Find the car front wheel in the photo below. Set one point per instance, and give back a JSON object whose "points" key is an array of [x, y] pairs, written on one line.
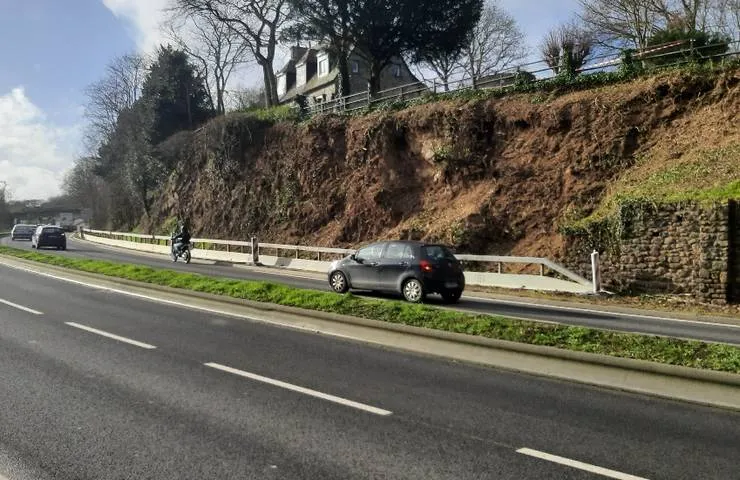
{"points": [[338, 282], [413, 291]]}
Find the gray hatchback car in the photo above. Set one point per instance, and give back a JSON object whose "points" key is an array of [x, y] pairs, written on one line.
{"points": [[413, 269]]}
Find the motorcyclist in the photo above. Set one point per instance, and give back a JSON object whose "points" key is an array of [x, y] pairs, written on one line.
{"points": [[181, 238]]}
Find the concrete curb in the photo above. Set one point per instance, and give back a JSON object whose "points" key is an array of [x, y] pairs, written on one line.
{"points": [[705, 387]]}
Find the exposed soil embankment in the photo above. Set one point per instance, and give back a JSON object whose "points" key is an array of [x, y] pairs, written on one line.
{"points": [[487, 176]]}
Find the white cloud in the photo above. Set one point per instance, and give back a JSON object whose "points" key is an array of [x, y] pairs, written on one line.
{"points": [[145, 17], [34, 152]]}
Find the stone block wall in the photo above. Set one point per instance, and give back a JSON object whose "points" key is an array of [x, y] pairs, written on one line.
{"points": [[686, 248]]}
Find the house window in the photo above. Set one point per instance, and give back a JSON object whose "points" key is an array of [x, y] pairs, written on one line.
{"points": [[355, 66], [323, 67], [397, 71], [282, 86], [301, 74]]}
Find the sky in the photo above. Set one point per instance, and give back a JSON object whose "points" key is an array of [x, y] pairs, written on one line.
{"points": [[50, 50]]}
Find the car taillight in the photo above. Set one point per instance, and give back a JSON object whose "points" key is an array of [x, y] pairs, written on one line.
{"points": [[426, 266]]}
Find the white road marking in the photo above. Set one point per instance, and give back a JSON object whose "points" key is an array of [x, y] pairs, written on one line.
{"points": [[579, 465], [110, 335], [600, 312], [303, 390], [189, 306], [20, 307]]}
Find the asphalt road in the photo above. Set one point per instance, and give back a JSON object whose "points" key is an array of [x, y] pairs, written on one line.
{"points": [[99, 385], [655, 325]]}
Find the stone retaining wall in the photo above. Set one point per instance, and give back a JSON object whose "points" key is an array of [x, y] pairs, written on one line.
{"points": [[687, 248]]}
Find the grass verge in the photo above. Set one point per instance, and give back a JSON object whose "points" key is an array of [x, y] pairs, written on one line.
{"points": [[657, 349]]}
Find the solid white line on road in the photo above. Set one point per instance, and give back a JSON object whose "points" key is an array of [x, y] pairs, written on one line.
{"points": [[601, 312], [579, 465], [305, 391], [20, 307], [110, 335], [181, 304]]}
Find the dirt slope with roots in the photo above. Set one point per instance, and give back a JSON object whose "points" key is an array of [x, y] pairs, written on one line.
{"points": [[487, 176]]}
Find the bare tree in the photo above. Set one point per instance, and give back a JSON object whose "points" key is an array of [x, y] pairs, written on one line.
{"points": [[620, 23], [690, 15], [445, 66], [108, 97], [256, 22], [566, 48], [83, 185], [496, 44], [215, 48], [725, 17], [248, 98]]}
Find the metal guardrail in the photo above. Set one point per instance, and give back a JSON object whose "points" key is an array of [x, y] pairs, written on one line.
{"points": [[539, 69], [203, 243]]}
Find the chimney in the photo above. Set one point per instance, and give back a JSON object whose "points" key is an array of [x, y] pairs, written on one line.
{"points": [[296, 53]]}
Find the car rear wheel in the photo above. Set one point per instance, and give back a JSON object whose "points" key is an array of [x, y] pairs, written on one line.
{"points": [[338, 282], [451, 297], [413, 291]]}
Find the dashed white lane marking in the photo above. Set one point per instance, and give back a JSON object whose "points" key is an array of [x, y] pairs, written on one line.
{"points": [[303, 390], [579, 465], [19, 307], [110, 335]]}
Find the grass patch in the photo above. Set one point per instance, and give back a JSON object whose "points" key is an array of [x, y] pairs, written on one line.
{"points": [[657, 349], [280, 113], [704, 176]]}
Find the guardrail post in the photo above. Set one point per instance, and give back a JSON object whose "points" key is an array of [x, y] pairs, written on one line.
{"points": [[595, 271], [542, 270], [255, 251], [499, 267]]}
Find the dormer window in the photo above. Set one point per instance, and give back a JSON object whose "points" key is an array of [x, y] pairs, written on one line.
{"points": [[397, 71], [282, 85], [355, 66], [323, 66], [301, 74]]}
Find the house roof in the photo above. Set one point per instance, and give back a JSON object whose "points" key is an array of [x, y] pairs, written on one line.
{"points": [[314, 83], [288, 67], [310, 53]]}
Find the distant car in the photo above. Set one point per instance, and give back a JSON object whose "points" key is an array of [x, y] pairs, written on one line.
{"points": [[22, 232], [413, 269], [49, 236]]}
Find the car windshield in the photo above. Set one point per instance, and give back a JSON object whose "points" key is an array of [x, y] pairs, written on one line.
{"points": [[437, 252]]}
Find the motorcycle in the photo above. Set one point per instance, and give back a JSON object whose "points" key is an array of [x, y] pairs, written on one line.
{"points": [[182, 252]]}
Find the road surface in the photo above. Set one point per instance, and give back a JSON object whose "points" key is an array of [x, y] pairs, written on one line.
{"points": [[99, 385], [678, 328]]}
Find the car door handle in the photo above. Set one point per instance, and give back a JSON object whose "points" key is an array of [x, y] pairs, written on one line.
{"points": [[373, 264], [404, 264]]}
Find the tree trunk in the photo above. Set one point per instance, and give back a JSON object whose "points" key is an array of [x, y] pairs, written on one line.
{"points": [[374, 84], [343, 65], [268, 75]]}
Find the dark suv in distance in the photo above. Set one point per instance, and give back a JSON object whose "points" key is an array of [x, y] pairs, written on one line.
{"points": [[22, 232], [49, 236], [413, 269]]}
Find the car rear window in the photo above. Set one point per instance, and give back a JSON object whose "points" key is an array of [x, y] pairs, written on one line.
{"points": [[437, 252], [53, 230]]}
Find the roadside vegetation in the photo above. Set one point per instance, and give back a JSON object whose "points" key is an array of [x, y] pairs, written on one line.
{"points": [[686, 353]]}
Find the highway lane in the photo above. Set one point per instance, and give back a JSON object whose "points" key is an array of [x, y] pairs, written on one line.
{"points": [[78, 404], [655, 325]]}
